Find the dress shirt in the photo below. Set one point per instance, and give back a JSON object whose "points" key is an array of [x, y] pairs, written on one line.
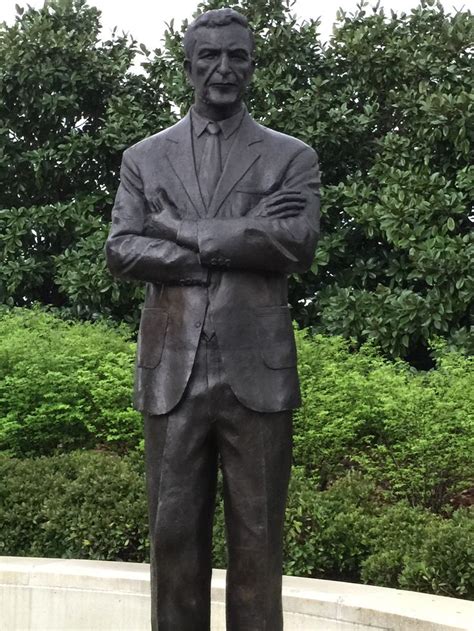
{"points": [[228, 127], [188, 230]]}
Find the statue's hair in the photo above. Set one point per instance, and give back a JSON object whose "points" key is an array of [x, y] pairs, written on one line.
{"points": [[213, 19]]}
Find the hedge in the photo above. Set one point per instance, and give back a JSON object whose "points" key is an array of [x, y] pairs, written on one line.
{"points": [[84, 505], [64, 385], [91, 505], [383, 457], [410, 432]]}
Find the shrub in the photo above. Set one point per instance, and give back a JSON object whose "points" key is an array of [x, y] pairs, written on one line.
{"points": [[326, 531], [413, 549], [444, 564], [381, 453], [412, 433], [67, 385], [91, 505], [64, 385], [348, 533], [81, 505]]}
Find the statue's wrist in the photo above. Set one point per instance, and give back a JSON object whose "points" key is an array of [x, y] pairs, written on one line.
{"points": [[187, 234]]}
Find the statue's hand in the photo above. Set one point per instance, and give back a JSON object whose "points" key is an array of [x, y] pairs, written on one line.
{"points": [[281, 205], [164, 220]]}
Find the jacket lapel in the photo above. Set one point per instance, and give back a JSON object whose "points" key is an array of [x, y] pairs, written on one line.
{"points": [[242, 155], [181, 158]]}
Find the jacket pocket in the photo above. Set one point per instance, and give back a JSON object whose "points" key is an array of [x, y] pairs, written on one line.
{"points": [[151, 337], [276, 338]]}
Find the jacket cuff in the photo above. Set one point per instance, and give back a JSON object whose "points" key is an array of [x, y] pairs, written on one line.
{"points": [[188, 235], [210, 253]]}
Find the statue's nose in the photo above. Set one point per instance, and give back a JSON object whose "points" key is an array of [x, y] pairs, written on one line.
{"points": [[224, 65]]}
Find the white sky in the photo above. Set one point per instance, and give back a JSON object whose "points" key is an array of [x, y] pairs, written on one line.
{"points": [[145, 19]]}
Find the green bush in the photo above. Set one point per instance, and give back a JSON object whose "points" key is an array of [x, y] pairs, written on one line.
{"points": [[326, 531], [395, 536], [349, 533], [411, 433], [91, 505], [64, 385], [382, 453], [414, 549], [67, 385], [84, 505], [444, 564]]}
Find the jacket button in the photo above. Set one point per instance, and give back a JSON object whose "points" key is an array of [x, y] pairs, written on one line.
{"points": [[197, 324]]}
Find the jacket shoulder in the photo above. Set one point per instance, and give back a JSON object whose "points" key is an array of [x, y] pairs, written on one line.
{"points": [[284, 142], [150, 143]]}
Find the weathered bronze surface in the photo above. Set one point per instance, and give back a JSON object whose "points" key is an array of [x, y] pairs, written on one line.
{"points": [[214, 213]]}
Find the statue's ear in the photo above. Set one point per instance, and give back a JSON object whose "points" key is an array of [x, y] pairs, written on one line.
{"points": [[187, 70], [253, 67]]}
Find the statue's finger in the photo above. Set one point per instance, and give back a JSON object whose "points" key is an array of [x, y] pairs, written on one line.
{"points": [[285, 205], [283, 194], [286, 200], [162, 198], [287, 208]]}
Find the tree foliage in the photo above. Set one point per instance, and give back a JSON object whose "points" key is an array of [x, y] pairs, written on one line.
{"points": [[69, 105], [387, 102]]}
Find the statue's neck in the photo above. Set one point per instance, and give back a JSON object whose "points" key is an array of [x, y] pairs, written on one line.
{"points": [[214, 113]]}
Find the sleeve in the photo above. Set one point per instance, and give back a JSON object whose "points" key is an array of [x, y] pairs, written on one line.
{"points": [[133, 256], [261, 243]]}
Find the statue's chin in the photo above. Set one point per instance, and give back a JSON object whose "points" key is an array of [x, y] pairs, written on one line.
{"points": [[220, 97]]}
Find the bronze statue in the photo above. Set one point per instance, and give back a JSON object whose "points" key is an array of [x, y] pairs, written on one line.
{"points": [[214, 213]]}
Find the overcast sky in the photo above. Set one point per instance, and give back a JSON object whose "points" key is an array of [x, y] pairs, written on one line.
{"points": [[145, 19]]}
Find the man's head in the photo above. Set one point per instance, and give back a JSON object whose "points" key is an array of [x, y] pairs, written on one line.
{"points": [[219, 61]]}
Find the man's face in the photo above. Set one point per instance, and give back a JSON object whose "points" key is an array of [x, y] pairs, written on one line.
{"points": [[221, 66]]}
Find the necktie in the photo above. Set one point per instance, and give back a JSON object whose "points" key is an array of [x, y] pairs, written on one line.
{"points": [[210, 169]]}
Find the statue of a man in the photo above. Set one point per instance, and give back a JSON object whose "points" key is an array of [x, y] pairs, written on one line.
{"points": [[214, 213]]}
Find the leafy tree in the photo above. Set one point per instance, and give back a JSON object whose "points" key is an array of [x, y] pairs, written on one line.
{"points": [[69, 105], [404, 94], [387, 103]]}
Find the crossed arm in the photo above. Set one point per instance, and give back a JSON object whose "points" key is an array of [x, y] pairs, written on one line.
{"points": [[277, 235]]}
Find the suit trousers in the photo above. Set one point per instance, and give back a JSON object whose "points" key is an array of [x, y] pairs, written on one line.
{"points": [[183, 449]]}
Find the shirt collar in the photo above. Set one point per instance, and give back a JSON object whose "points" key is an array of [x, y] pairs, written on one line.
{"points": [[228, 126]]}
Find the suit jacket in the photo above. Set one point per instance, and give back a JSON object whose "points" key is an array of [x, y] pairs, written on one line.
{"points": [[241, 269]]}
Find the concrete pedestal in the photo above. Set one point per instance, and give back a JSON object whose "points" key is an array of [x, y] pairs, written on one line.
{"points": [[70, 595]]}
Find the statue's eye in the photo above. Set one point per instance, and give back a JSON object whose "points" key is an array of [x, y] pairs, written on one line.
{"points": [[239, 55], [208, 54]]}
